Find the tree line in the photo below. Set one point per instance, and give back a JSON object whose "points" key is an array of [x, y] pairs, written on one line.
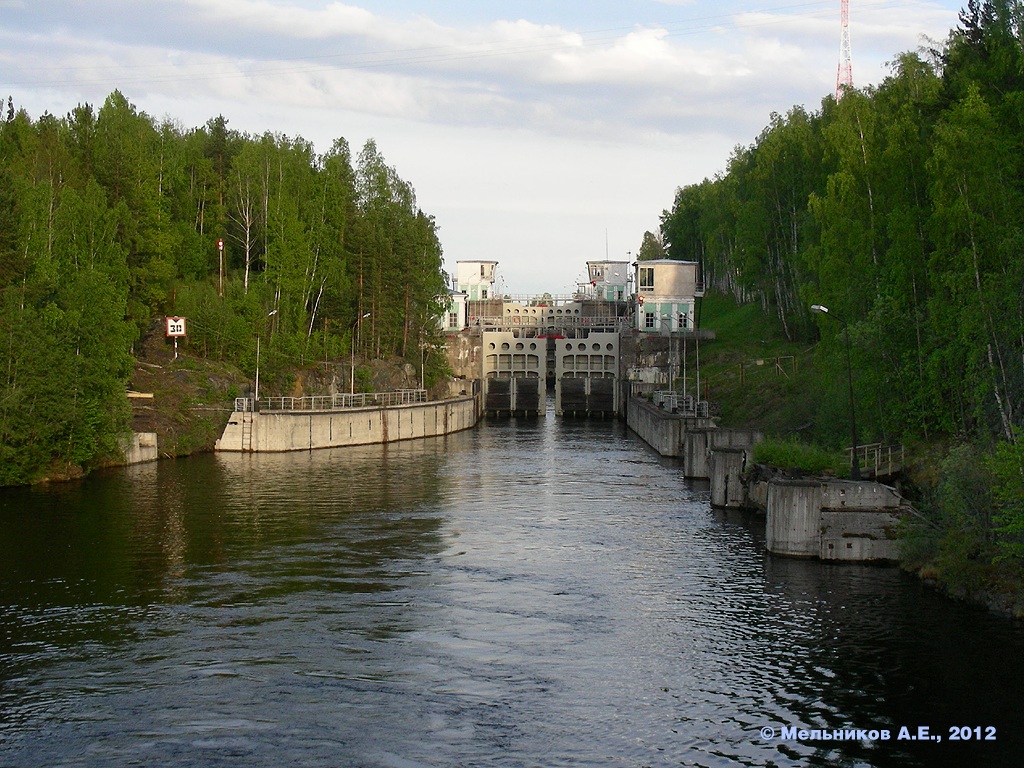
{"points": [[110, 220], [899, 207]]}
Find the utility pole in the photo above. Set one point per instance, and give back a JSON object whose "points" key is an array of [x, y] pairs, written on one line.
{"points": [[844, 75]]}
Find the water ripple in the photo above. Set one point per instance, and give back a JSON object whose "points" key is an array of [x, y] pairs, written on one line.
{"points": [[528, 594]]}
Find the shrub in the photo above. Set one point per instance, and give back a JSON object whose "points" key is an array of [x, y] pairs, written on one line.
{"points": [[803, 457]]}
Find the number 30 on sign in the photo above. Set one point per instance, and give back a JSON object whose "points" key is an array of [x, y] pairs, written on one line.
{"points": [[175, 326]]}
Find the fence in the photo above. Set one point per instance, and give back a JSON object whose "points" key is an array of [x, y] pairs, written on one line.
{"points": [[333, 402]]}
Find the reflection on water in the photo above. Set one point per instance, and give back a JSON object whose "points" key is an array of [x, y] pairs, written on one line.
{"points": [[539, 593]]}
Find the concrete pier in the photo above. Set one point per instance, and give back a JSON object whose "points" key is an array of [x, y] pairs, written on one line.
{"points": [[826, 519], [845, 520], [140, 447], [690, 438], [726, 466]]}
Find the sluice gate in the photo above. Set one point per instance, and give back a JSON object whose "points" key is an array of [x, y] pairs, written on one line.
{"points": [[587, 375], [530, 351], [515, 373]]}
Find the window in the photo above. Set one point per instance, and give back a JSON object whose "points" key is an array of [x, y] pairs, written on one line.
{"points": [[453, 319], [684, 321], [483, 293], [648, 319], [646, 278]]}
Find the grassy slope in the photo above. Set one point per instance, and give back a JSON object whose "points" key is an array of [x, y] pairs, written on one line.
{"points": [[751, 374]]}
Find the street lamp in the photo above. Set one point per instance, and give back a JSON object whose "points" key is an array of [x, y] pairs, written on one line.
{"points": [[666, 329], [352, 349], [256, 397], [855, 460]]}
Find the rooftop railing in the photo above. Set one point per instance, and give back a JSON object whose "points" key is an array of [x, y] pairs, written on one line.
{"points": [[558, 322]]}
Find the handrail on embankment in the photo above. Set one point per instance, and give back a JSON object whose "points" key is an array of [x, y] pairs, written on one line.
{"points": [[684, 405], [879, 459], [333, 402]]}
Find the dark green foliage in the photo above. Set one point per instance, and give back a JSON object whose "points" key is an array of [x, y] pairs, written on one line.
{"points": [[899, 208], [109, 221], [1007, 470], [800, 457]]}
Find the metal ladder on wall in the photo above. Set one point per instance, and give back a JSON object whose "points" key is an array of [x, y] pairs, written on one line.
{"points": [[247, 430]]}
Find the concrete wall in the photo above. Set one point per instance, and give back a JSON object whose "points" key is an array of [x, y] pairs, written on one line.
{"points": [[859, 535], [270, 431], [685, 437], [140, 447], [726, 467], [694, 452], [661, 430], [792, 527], [835, 520]]}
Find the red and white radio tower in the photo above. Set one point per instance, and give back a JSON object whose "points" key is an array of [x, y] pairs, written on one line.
{"points": [[844, 77]]}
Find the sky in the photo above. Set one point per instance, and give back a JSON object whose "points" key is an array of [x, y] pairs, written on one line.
{"points": [[538, 134]]}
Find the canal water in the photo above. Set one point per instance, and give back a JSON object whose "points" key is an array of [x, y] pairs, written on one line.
{"points": [[530, 593]]}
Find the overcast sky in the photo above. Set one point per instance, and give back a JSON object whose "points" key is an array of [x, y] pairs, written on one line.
{"points": [[540, 134]]}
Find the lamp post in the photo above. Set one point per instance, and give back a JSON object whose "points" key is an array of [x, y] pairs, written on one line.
{"points": [[855, 460], [256, 397], [352, 349], [666, 328]]}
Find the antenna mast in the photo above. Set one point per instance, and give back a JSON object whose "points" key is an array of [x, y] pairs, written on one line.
{"points": [[844, 76]]}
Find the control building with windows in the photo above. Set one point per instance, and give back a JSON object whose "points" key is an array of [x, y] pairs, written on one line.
{"points": [[455, 315], [666, 295], [476, 279], [608, 280]]}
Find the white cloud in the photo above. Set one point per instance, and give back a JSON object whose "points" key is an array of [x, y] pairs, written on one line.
{"points": [[525, 137]]}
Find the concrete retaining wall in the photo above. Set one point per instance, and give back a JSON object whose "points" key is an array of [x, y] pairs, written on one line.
{"points": [[725, 467], [665, 432], [694, 452], [698, 444], [660, 430], [685, 437], [464, 351], [859, 535], [140, 447], [792, 524], [270, 431], [835, 520]]}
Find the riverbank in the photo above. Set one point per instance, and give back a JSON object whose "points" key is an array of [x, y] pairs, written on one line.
{"points": [[188, 400], [882, 527]]}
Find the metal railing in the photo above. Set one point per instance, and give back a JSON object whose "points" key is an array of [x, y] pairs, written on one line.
{"points": [[333, 402], [533, 300], [879, 459], [556, 322], [684, 405]]}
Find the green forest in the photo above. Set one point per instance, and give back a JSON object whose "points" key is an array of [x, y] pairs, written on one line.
{"points": [[900, 208], [110, 220]]}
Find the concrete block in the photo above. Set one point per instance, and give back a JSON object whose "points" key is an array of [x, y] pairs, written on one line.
{"points": [[858, 494], [140, 447], [859, 535], [726, 468], [792, 525]]}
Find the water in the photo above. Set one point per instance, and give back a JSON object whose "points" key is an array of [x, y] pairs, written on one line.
{"points": [[543, 593]]}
